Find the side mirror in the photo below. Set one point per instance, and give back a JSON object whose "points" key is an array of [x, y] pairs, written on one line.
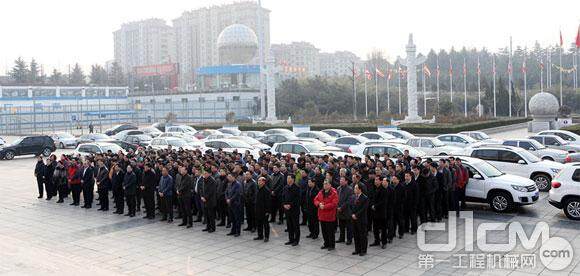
{"points": [[531, 148], [521, 162], [478, 177]]}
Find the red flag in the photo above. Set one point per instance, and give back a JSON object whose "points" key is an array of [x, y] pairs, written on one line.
{"points": [[561, 39], [426, 71], [379, 73], [524, 69], [578, 38], [438, 71], [389, 74], [509, 68], [368, 74], [355, 73], [478, 68], [464, 69], [450, 69], [542, 64]]}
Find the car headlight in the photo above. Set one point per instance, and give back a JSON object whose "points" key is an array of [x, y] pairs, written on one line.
{"points": [[555, 170], [519, 188]]}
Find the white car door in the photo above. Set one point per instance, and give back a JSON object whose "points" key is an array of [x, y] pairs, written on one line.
{"points": [[428, 147], [514, 163], [476, 186]]}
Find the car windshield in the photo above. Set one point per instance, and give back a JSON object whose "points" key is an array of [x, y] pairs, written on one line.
{"points": [[537, 144], [144, 137], [437, 143], [489, 170], [247, 139], [313, 147], [176, 143], [239, 144], [111, 147], [527, 155], [480, 136], [17, 141]]}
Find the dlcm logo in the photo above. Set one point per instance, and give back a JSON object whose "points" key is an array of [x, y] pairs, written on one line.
{"points": [[555, 253]]}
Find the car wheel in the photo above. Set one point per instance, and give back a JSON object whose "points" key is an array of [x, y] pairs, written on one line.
{"points": [[501, 202], [9, 155], [46, 152], [548, 158], [542, 181], [572, 208], [61, 145]]}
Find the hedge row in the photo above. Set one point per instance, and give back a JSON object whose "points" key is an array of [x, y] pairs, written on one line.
{"points": [[363, 127], [573, 128]]}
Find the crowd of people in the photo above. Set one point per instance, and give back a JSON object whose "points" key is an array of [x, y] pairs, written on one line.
{"points": [[383, 195]]}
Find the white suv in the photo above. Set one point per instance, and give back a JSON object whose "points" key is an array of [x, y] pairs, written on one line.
{"points": [[433, 146], [295, 148], [519, 162], [500, 190], [565, 192], [393, 150], [537, 149]]}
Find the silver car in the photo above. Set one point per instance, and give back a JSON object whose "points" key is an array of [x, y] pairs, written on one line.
{"points": [[555, 142], [538, 149], [64, 140]]}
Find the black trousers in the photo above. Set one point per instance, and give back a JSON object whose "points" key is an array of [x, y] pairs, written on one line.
{"points": [[185, 205], [104, 199], [62, 190], [138, 197], [88, 194], [276, 209], [380, 230], [237, 216], [130, 203], [49, 186], [328, 230], [250, 214], [395, 223], [149, 200], [293, 225], [119, 201], [312, 221], [40, 184], [76, 193], [360, 236], [263, 225], [460, 195], [443, 202], [410, 219], [210, 217], [345, 225], [167, 206]]}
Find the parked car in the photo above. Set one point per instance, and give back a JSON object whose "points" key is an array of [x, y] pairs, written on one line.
{"points": [[565, 192], [64, 140], [477, 135], [181, 129], [318, 135], [346, 142], [118, 128], [160, 126], [502, 191], [36, 145], [97, 148], [519, 162], [2, 142], [308, 140], [569, 136], [202, 134], [121, 135], [393, 150], [232, 131], [152, 131], [375, 135], [271, 139], [124, 145], [141, 140], [572, 157], [94, 137], [218, 136], [401, 134], [278, 131], [555, 142], [295, 148], [251, 141], [456, 140], [336, 133], [537, 149], [231, 145], [254, 134], [174, 142], [432, 146]]}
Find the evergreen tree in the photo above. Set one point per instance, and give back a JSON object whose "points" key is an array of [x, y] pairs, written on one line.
{"points": [[116, 76], [77, 77], [56, 78], [33, 73], [20, 71]]}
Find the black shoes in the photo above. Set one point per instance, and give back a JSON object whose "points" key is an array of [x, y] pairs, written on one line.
{"points": [[288, 243], [258, 238], [339, 241], [374, 244], [294, 243], [348, 243], [266, 239]]}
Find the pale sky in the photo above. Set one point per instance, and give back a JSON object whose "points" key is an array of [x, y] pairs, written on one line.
{"points": [[62, 32]]}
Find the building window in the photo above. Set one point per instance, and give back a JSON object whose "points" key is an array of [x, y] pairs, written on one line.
{"points": [[183, 100], [137, 101], [167, 100], [201, 99], [236, 98], [220, 99], [152, 101]]}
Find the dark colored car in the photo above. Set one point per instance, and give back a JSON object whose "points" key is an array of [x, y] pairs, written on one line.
{"points": [[118, 128], [138, 140], [271, 139], [94, 137], [124, 145], [36, 145]]}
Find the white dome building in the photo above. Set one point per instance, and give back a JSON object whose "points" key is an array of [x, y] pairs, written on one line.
{"points": [[544, 110], [237, 44]]}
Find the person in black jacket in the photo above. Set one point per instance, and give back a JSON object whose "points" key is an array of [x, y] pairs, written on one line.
{"points": [[379, 212], [88, 184], [209, 199], [359, 219], [103, 185], [277, 186], [395, 201], [183, 188], [39, 173], [410, 204], [311, 210], [117, 187], [250, 189], [130, 189], [291, 205], [48, 177], [148, 191], [262, 207]]}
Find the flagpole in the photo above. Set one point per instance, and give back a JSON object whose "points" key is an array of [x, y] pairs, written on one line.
{"points": [[450, 79], [366, 93], [525, 86], [354, 91], [388, 93], [541, 73], [548, 68], [399, 89], [478, 88], [437, 60], [561, 99], [494, 102], [464, 88], [376, 94], [510, 79], [424, 94]]}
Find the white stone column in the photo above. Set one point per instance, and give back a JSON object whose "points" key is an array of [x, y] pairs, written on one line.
{"points": [[271, 90]]}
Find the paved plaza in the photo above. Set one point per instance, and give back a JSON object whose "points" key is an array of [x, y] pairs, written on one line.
{"points": [[39, 237]]}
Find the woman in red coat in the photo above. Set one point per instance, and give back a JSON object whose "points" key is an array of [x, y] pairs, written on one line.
{"points": [[326, 201]]}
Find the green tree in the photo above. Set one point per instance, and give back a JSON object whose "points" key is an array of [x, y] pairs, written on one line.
{"points": [[33, 73], [116, 76], [98, 75], [77, 77], [20, 71], [56, 78]]}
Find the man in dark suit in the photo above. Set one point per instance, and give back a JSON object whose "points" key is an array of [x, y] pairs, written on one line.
{"points": [[183, 188], [359, 218], [103, 185], [262, 207], [209, 199], [311, 210], [235, 204], [148, 191], [165, 192], [410, 204], [250, 189], [130, 189], [277, 186], [377, 204], [291, 205], [88, 184], [39, 172], [343, 211]]}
